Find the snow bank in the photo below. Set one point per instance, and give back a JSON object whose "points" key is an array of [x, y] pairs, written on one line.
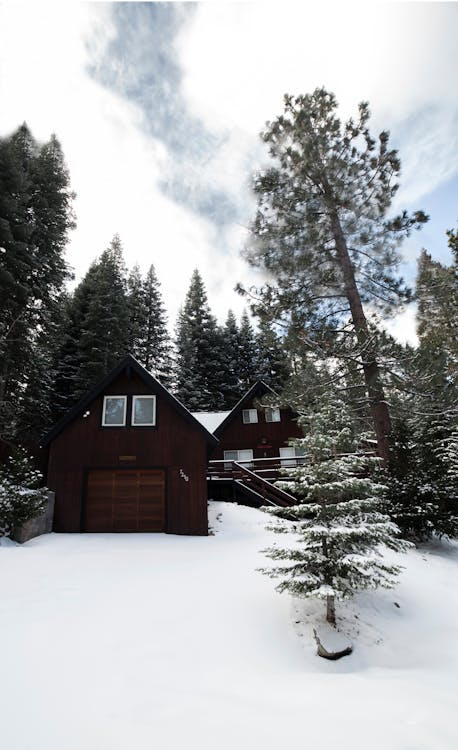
{"points": [[140, 641]]}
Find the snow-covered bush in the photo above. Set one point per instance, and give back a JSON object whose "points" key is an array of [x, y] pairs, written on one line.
{"points": [[340, 525], [21, 496]]}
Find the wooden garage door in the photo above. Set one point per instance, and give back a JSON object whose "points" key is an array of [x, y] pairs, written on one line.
{"points": [[125, 500]]}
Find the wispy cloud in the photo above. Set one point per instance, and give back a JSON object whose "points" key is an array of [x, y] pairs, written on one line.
{"points": [[158, 107], [59, 80]]}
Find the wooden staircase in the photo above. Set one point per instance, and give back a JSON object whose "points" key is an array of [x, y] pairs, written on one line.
{"points": [[258, 490]]}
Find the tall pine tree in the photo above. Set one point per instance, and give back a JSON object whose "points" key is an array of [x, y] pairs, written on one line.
{"points": [[199, 360], [97, 331], [323, 232], [272, 360], [231, 387], [35, 219], [422, 486], [249, 359], [153, 348]]}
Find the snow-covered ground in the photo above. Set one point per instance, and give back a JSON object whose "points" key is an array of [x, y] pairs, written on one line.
{"points": [[153, 641]]}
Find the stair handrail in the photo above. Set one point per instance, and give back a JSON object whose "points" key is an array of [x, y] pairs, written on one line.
{"points": [[267, 487]]}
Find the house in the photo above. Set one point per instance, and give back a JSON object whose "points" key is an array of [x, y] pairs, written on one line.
{"points": [[129, 457], [255, 435], [251, 430]]}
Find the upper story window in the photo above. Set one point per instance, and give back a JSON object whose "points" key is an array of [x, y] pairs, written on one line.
{"points": [[272, 414], [114, 411], [250, 416], [143, 411]]}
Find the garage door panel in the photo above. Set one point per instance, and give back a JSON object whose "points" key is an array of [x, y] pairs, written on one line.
{"points": [[125, 500]]}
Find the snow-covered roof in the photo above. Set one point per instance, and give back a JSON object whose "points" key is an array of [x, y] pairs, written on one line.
{"points": [[210, 419]]}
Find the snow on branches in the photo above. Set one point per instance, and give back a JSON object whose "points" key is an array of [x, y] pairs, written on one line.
{"points": [[340, 527], [21, 496]]}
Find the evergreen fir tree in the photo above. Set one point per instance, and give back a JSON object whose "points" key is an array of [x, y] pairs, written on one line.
{"points": [[340, 523], [249, 360], [273, 364], [422, 488], [154, 349], [199, 360], [231, 387], [136, 303], [104, 333], [35, 218], [66, 362], [422, 483], [437, 312], [97, 327]]}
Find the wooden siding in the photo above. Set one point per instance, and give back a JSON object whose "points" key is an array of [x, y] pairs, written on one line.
{"points": [[264, 438], [174, 445]]}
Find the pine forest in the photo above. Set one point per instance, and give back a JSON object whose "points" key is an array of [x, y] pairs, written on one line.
{"points": [[380, 418]]}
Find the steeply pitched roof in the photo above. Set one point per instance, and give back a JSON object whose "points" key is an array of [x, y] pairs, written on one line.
{"points": [[258, 389], [128, 362]]}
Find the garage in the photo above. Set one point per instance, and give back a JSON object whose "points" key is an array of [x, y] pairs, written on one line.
{"points": [[125, 500], [129, 457]]}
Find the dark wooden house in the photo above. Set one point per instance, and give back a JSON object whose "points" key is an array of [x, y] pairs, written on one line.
{"points": [[255, 434], [129, 457], [254, 430]]}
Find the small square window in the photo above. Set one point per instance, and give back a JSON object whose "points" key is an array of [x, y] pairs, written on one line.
{"points": [[273, 414], [250, 416], [114, 411], [143, 411]]}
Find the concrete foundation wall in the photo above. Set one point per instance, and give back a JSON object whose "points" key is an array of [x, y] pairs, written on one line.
{"points": [[41, 524]]}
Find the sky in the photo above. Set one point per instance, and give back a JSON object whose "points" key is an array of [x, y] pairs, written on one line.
{"points": [[159, 106]]}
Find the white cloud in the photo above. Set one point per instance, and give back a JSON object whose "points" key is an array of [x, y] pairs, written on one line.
{"points": [[239, 60], [115, 167]]}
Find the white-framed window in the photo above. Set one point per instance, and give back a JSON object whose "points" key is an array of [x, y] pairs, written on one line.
{"points": [[250, 416], [291, 456], [114, 411], [143, 411], [272, 414], [244, 456]]}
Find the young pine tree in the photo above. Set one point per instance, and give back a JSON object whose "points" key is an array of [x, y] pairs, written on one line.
{"points": [[340, 524]]}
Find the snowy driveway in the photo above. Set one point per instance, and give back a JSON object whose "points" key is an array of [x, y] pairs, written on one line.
{"points": [[154, 641]]}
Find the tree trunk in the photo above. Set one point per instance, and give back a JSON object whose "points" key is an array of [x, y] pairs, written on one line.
{"points": [[331, 610], [378, 405]]}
